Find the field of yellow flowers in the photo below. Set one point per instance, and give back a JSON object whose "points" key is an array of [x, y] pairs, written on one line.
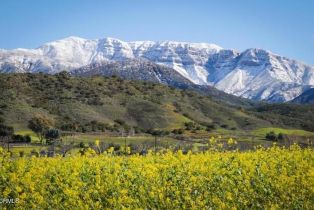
{"points": [[273, 178]]}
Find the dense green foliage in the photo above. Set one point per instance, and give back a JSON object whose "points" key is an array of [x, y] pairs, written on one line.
{"points": [[6, 133], [112, 104], [21, 139], [293, 115]]}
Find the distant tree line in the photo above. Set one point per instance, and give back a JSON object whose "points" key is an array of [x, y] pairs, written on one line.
{"points": [[272, 136]]}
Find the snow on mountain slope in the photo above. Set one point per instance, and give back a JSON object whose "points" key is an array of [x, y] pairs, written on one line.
{"points": [[188, 59], [51, 57], [255, 73], [135, 69], [64, 54], [260, 75]]}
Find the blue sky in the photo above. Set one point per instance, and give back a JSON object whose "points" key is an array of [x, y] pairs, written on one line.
{"points": [[285, 27]]}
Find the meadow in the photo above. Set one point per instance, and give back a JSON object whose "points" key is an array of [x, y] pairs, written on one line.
{"points": [[273, 178]]}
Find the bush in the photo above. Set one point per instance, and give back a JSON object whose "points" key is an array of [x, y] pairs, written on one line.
{"points": [[82, 145], [224, 126], [120, 122], [21, 153], [6, 131], [156, 132], [189, 125], [177, 131], [280, 136], [52, 135], [210, 127], [271, 136], [21, 139]]}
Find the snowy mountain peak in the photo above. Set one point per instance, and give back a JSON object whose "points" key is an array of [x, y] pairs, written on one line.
{"points": [[254, 73]]}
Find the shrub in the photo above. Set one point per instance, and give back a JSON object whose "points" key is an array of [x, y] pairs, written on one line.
{"points": [[280, 136], [52, 135], [271, 136], [21, 139], [177, 131]]}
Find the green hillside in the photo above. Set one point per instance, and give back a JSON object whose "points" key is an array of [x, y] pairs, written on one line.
{"points": [[110, 104]]}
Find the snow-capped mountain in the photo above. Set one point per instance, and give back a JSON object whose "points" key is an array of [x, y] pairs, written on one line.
{"points": [[134, 69], [255, 73], [259, 74]]}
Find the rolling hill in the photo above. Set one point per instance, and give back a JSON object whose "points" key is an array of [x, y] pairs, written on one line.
{"points": [[98, 103]]}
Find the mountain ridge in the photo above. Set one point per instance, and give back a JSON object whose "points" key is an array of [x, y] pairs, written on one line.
{"points": [[254, 73], [307, 97]]}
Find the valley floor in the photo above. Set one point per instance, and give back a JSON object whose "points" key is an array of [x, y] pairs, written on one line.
{"points": [[195, 141]]}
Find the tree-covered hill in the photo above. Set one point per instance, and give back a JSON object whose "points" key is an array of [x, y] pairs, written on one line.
{"points": [[99, 103]]}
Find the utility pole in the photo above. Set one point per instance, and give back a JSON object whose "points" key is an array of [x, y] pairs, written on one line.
{"points": [[125, 144], [8, 145], [155, 144]]}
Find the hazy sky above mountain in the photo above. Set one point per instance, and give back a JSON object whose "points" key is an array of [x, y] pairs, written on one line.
{"points": [[285, 27]]}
